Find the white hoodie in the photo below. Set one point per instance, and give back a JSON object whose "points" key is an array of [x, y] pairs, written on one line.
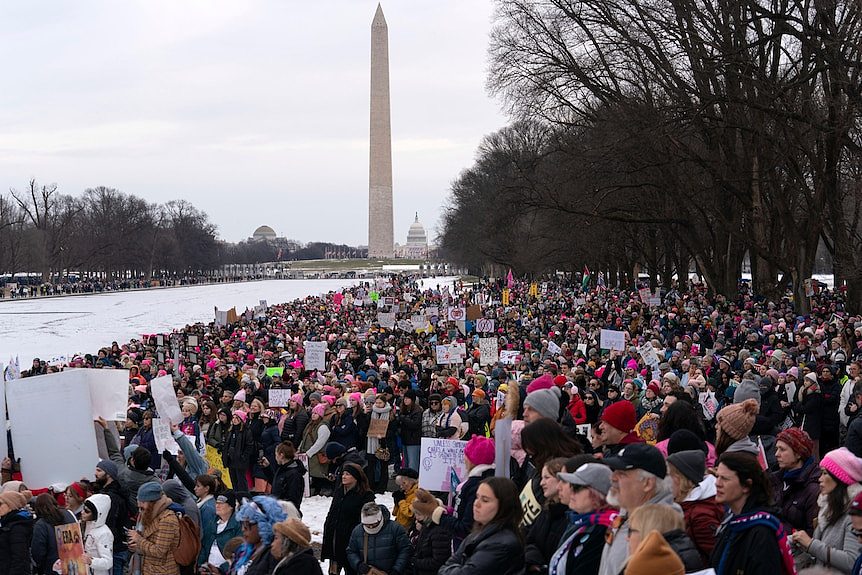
{"points": [[98, 539]]}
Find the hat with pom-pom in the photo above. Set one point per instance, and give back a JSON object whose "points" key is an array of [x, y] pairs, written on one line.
{"points": [[737, 420]]}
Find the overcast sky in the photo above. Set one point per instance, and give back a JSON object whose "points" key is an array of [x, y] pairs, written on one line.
{"points": [[256, 111]]}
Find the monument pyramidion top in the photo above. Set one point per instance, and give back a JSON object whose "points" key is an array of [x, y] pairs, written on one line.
{"points": [[379, 20]]}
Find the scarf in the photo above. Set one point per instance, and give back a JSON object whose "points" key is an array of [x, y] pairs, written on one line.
{"points": [[794, 474], [579, 523], [372, 443], [742, 523]]}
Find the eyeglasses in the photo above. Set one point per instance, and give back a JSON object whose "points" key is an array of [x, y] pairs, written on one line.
{"points": [[435, 403]]}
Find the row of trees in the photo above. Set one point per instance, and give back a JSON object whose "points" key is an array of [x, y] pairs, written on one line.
{"points": [[655, 134], [109, 234]]}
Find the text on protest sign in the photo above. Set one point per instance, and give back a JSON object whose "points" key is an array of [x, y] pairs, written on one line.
{"points": [[70, 549], [485, 325], [315, 355], [554, 348], [386, 320], [279, 397], [165, 398], [611, 339], [438, 458], [163, 436], [510, 356], [488, 354]]}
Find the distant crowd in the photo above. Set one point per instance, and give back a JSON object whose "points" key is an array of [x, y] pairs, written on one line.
{"points": [[719, 434]]}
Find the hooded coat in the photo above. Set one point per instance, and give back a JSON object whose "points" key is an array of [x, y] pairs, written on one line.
{"points": [[703, 515], [388, 550], [16, 533], [98, 538]]}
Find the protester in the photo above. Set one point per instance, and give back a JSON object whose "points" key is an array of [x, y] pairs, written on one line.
{"points": [[796, 483], [257, 517], [407, 481], [378, 543], [543, 536], [287, 475], [292, 548], [432, 543], [344, 515], [495, 546], [238, 450], [694, 491], [216, 533], [157, 534], [654, 555], [44, 546], [16, 533], [98, 538], [670, 524], [409, 421]]}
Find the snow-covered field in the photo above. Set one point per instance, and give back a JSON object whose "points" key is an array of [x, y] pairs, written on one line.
{"points": [[63, 326]]}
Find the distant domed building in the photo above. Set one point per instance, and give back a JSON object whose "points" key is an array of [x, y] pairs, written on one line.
{"points": [[416, 247], [263, 233]]}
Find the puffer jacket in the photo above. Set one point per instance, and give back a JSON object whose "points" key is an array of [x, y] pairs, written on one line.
{"points": [[16, 533], [293, 426], [98, 539], [44, 545], [543, 537], [287, 481], [238, 448], [431, 548], [703, 515], [796, 496], [388, 550], [492, 551], [683, 546]]}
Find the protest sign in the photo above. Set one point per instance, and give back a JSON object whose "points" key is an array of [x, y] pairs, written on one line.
{"points": [[647, 352], [457, 314], [377, 428], [488, 354], [611, 339], [386, 320], [442, 354], [109, 392], [645, 294], [502, 447], [273, 371], [163, 436], [474, 312], [553, 347], [510, 357], [303, 458], [582, 347], [52, 429], [3, 444], [343, 353], [70, 549], [438, 458], [418, 322], [405, 325], [484, 325], [165, 398], [279, 397], [586, 430], [315, 355]]}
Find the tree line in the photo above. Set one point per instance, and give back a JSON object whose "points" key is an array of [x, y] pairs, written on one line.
{"points": [[109, 234], [667, 135]]}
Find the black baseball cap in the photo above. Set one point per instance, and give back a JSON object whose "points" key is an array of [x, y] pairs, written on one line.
{"points": [[638, 456]]}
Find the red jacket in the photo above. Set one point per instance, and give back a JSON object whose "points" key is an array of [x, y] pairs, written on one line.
{"points": [[577, 409], [702, 519]]}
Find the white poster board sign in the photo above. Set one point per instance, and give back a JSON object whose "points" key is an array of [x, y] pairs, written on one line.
{"points": [[109, 392], [163, 436], [488, 353], [437, 459], [386, 320], [315, 355], [553, 348], [510, 356], [52, 429], [502, 447], [165, 398], [611, 339], [279, 397]]}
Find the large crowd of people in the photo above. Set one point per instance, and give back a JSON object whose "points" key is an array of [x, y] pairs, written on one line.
{"points": [[723, 434]]}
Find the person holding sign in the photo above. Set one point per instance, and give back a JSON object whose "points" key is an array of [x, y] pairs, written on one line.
{"points": [[98, 538]]}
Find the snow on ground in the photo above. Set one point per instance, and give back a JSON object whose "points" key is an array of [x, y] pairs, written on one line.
{"points": [[314, 510], [63, 326]]}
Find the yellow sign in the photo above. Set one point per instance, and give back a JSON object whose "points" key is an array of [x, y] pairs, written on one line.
{"points": [[506, 296]]}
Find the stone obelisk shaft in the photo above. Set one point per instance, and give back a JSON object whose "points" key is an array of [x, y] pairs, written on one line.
{"points": [[381, 235]]}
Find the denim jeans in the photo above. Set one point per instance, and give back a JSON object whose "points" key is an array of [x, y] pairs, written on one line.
{"points": [[120, 562], [411, 456]]}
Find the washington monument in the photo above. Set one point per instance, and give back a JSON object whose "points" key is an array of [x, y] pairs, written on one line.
{"points": [[381, 234]]}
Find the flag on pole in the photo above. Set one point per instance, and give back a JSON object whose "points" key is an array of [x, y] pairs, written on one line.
{"points": [[586, 281], [510, 279]]}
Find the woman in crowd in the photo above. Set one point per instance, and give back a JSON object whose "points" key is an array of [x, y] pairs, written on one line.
{"points": [[16, 533], [495, 547], [796, 483], [215, 535], [205, 490], [733, 424], [409, 422], [98, 538], [145, 438], [286, 475], [542, 440], [44, 545], [189, 425], [208, 416], [449, 424], [654, 555], [294, 421], [808, 404], [344, 516], [76, 494], [257, 518], [314, 438], [682, 415], [342, 425], [751, 540], [378, 461], [543, 536], [292, 548], [694, 491], [586, 486], [833, 545], [238, 451], [667, 521], [432, 543]]}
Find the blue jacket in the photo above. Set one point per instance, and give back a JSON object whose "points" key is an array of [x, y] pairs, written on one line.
{"points": [[388, 550], [209, 527]]}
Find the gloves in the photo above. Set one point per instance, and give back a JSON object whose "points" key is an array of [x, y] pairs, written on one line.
{"points": [[397, 496], [425, 503]]}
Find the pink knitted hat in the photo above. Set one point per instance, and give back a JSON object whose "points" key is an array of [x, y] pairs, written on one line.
{"points": [[480, 450], [241, 415], [544, 381], [319, 409], [843, 465], [296, 398]]}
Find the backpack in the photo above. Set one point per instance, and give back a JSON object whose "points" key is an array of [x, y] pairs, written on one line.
{"points": [[186, 553]]}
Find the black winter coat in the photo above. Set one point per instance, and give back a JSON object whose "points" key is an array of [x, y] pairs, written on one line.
{"points": [[810, 414], [684, 547], [43, 547], [477, 417], [433, 546], [238, 448], [770, 415], [410, 426], [854, 437], [287, 481], [462, 522], [492, 551], [120, 516], [16, 534], [343, 516], [389, 549], [303, 562], [754, 551], [543, 537], [344, 430], [796, 498], [293, 426]]}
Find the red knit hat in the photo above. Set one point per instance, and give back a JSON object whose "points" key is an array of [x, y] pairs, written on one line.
{"points": [[798, 441], [620, 415], [560, 380]]}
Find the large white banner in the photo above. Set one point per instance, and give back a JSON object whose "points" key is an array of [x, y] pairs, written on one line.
{"points": [[165, 397], [438, 459], [315, 355], [108, 389], [52, 429]]}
